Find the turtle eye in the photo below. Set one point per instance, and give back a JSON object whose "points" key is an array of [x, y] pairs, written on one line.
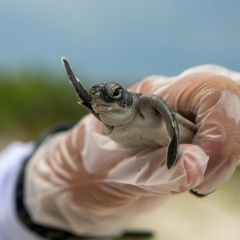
{"points": [[117, 93]]}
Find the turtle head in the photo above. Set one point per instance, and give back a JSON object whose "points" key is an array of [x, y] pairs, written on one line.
{"points": [[114, 104], [108, 102]]}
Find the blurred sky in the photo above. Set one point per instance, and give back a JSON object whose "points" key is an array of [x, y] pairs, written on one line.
{"points": [[121, 38]]}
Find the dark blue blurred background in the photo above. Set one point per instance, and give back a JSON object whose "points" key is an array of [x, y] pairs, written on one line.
{"points": [[122, 39]]}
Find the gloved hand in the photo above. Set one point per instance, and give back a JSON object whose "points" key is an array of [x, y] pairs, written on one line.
{"points": [[207, 95], [82, 181]]}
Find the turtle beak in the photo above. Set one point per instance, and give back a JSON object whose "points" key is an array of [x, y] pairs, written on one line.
{"points": [[95, 94], [95, 89]]}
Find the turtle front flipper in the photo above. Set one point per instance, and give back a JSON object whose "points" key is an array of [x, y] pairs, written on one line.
{"points": [[82, 94], [153, 106]]}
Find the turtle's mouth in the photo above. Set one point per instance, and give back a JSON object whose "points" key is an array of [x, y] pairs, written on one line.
{"points": [[99, 107]]}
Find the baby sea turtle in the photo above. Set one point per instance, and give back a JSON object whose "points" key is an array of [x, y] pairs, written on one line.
{"points": [[134, 119]]}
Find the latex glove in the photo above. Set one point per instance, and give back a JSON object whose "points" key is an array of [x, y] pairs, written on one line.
{"points": [[83, 182], [210, 96]]}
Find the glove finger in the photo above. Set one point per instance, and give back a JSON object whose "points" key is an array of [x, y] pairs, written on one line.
{"points": [[146, 173]]}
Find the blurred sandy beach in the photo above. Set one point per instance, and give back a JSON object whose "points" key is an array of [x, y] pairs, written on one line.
{"points": [[215, 217]]}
